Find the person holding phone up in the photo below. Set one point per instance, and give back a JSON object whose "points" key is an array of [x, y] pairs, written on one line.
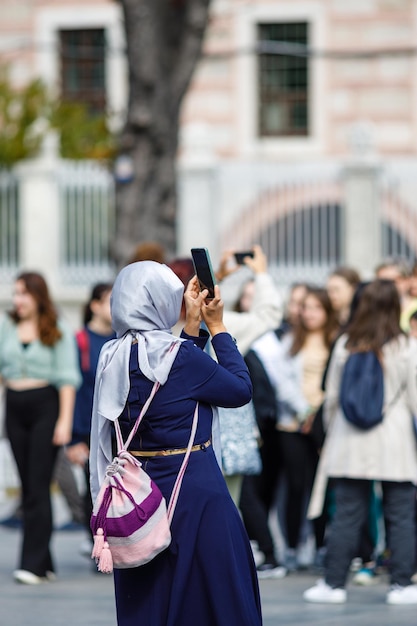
{"points": [[265, 310], [248, 321]]}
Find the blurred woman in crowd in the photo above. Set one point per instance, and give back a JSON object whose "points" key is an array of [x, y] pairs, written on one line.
{"points": [[341, 285], [259, 491], [354, 457], [293, 308], [257, 310], [299, 386], [38, 363], [398, 271], [90, 339]]}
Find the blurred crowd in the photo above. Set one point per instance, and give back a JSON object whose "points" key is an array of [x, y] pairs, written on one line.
{"points": [[311, 490], [330, 496]]}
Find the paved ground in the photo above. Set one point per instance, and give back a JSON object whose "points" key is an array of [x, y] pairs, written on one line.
{"points": [[83, 598]]}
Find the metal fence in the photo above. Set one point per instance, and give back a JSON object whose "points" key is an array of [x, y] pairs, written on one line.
{"points": [[299, 226], [398, 213], [296, 214], [86, 192], [9, 224]]}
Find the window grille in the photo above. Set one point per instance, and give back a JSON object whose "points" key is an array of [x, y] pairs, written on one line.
{"points": [[83, 67], [283, 82]]}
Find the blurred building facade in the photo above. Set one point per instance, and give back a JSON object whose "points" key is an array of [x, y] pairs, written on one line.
{"points": [[299, 132]]}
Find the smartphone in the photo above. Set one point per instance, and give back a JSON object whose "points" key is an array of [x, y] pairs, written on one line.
{"points": [[239, 256], [204, 270]]}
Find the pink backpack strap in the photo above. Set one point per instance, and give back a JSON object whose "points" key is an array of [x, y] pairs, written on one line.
{"points": [[177, 485], [124, 445], [121, 445]]}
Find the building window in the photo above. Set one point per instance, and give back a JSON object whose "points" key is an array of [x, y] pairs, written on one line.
{"points": [[83, 67], [283, 81]]}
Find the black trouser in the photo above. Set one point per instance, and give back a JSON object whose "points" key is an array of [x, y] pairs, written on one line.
{"points": [[30, 421], [352, 506], [299, 459], [258, 492]]}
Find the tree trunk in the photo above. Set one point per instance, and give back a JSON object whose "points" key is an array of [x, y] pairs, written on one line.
{"points": [[164, 40]]}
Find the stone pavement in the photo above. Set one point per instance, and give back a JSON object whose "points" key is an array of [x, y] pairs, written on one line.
{"points": [[84, 598], [283, 606], [81, 597]]}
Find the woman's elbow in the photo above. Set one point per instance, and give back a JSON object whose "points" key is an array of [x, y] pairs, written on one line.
{"points": [[245, 394]]}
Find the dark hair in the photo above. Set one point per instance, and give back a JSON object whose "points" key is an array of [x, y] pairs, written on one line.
{"points": [[399, 263], [413, 316], [355, 301], [98, 291], [237, 307], [350, 275], [35, 284], [297, 285], [148, 251], [376, 319], [330, 327], [184, 269]]}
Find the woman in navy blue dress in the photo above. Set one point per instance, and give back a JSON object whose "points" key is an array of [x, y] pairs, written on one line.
{"points": [[207, 576]]}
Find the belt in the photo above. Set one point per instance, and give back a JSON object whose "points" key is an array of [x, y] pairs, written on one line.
{"points": [[198, 446]]}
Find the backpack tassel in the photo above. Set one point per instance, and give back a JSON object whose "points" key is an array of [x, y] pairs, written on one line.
{"points": [[105, 563], [98, 544]]}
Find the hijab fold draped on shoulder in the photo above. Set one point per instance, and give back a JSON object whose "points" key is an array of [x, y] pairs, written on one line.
{"points": [[145, 304]]}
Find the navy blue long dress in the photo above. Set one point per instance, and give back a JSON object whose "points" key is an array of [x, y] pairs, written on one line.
{"points": [[207, 576]]}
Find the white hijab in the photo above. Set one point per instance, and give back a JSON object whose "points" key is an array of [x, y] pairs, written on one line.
{"points": [[145, 304]]}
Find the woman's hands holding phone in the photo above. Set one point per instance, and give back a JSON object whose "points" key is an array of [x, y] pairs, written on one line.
{"points": [[212, 313], [197, 308], [193, 299]]}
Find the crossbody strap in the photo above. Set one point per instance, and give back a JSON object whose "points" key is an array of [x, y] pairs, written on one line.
{"points": [[124, 445], [177, 485]]}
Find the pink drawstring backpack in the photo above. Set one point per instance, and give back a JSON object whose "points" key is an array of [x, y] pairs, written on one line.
{"points": [[130, 520]]}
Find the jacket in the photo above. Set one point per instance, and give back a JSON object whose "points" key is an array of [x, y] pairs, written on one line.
{"points": [[265, 314], [387, 451]]}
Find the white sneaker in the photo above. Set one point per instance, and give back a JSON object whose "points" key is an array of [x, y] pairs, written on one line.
{"points": [[402, 595], [322, 593], [365, 577], [268, 570], [27, 578]]}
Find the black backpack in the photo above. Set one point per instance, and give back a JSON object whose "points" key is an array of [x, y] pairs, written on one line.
{"points": [[362, 390]]}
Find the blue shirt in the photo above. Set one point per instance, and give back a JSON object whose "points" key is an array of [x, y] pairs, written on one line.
{"points": [[84, 399]]}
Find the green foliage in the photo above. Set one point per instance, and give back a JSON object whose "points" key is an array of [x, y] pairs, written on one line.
{"points": [[28, 113], [83, 135], [21, 115]]}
